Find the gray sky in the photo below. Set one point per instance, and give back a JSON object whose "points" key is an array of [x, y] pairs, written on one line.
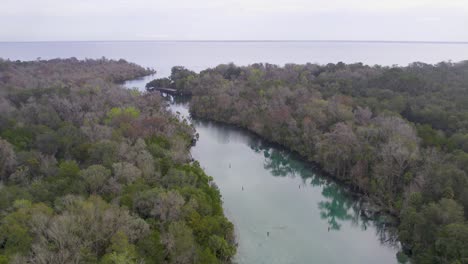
{"points": [[411, 20]]}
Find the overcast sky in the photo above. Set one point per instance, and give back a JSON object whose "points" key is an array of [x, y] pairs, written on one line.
{"points": [[408, 20]]}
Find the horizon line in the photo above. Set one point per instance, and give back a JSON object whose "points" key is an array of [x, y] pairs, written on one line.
{"points": [[251, 40]]}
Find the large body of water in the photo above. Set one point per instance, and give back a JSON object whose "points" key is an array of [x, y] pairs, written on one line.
{"points": [[284, 211], [200, 55]]}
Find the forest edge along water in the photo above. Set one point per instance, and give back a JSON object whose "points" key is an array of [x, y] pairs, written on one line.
{"points": [[256, 166], [259, 183], [284, 209]]}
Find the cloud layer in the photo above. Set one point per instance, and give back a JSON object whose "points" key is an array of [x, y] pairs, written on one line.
{"points": [[418, 20]]}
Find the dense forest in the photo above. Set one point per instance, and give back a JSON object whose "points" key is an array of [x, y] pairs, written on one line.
{"points": [[91, 172], [399, 135]]}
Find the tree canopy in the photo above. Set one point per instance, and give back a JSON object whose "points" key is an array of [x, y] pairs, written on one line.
{"points": [[396, 134], [88, 171]]}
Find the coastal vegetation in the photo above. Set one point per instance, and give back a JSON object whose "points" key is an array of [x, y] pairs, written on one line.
{"points": [[398, 135], [91, 172]]}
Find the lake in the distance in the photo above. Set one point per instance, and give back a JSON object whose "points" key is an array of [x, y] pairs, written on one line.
{"points": [[283, 209]]}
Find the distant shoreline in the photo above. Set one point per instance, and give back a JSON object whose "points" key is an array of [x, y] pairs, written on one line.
{"points": [[250, 41]]}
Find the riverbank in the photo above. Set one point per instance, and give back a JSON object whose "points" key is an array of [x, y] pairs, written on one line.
{"points": [[365, 125], [93, 172], [377, 153], [283, 208], [373, 208]]}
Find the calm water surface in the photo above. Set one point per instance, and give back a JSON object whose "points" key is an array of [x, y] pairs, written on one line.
{"points": [[201, 55], [284, 211]]}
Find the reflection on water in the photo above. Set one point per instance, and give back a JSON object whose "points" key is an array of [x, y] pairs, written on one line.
{"points": [[338, 205], [283, 209], [140, 83]]}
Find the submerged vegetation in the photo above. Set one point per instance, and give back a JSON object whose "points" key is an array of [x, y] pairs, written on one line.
{"points": [[397, 134], [91, 172]]}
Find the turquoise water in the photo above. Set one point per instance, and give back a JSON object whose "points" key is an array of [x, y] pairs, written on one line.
{"points": [[283, 209]]}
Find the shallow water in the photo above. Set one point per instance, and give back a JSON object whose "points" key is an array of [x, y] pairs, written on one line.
{"points": [[283, 209]]}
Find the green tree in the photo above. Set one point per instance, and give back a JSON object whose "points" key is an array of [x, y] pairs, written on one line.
{"points": [[180, 243], [451, 243], [96, 177]]}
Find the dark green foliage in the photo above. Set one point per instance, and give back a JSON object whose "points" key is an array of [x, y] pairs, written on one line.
{"points": [[429, 231], [452, 242], [159, 83], [431, 137], [151, 248], [21, 138], [180, 80], [103, 152]]}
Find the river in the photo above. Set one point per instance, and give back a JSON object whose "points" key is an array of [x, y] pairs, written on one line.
{"points": [[284, 210]]}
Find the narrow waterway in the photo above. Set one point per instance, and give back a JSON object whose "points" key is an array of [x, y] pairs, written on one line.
{"points": [[283, 209]]}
